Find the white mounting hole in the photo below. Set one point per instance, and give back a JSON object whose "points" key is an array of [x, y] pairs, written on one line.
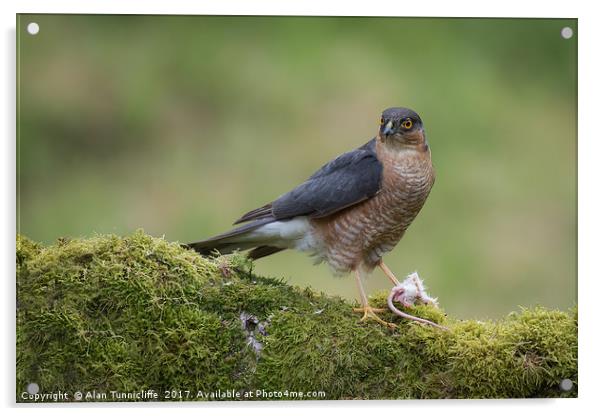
{"points": [[566, 32], [33, 388], [566, 384], [33, 28]]}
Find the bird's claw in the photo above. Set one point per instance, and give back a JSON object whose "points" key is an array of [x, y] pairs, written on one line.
{"points": [[370, 313]]}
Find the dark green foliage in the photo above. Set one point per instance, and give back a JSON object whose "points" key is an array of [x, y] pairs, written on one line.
{"points": [[135, 313]]}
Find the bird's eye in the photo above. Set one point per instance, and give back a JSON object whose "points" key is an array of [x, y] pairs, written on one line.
{"points": [[382, 121], [407, 124]]}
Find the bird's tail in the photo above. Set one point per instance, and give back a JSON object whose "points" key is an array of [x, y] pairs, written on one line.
{"points": [[239, 238]]}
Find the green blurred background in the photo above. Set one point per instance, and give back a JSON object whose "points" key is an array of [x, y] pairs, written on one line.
{"points": [[179, 124]]}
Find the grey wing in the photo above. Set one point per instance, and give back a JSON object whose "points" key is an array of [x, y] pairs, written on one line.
{"points": [[345, 181]]}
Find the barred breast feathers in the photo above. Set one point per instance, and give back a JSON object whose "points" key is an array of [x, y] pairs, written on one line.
{"points": [[362, 234]]}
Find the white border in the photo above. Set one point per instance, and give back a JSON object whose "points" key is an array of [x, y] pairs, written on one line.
{"points": [[509, 8], [589, 186]]}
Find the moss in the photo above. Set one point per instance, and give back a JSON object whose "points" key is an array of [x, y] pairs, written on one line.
{"points": [[137, 313]]}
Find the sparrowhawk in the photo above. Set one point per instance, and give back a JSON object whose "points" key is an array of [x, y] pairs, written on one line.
{"points": [[350, 212]]}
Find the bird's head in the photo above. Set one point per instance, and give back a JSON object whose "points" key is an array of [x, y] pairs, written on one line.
{"points": [[403, 126]]}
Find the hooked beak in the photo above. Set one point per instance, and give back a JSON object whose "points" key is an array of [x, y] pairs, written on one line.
{"points": [[388, 128]]}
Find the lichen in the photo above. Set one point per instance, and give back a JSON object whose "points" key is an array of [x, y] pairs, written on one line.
{"points": [[137, 313]]}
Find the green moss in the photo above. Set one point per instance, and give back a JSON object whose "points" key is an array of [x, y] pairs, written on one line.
{"points": [[135, 313]]}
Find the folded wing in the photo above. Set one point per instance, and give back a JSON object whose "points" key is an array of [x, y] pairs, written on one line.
{"points": [[345, 181]]}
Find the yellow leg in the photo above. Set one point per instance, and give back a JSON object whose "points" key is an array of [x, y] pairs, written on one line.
{"points": [[369, 311], [388, 273]]}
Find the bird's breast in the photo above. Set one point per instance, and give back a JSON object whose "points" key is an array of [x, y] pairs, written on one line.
{"points": [[363, 233]]}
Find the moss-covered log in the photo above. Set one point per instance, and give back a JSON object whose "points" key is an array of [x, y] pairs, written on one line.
{"points": [[137, 313]]}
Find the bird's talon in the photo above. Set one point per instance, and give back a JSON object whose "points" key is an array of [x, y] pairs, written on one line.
{"points": [[370, 313]]}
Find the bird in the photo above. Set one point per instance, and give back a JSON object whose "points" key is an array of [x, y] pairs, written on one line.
{"points": [[350, 212]]}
